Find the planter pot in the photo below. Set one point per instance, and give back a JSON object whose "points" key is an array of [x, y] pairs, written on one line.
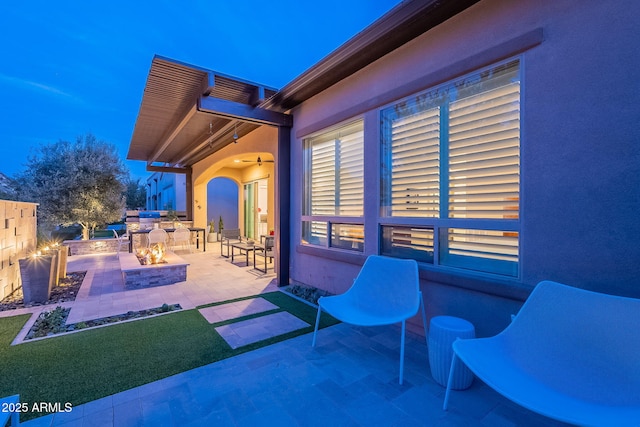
{"points": [[212, 237], [38, 277]]}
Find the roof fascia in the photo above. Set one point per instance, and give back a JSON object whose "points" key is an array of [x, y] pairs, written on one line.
{"points": [[400, 25]]}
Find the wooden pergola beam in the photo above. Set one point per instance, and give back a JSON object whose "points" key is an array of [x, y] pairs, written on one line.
{"points": [[243, 112]]}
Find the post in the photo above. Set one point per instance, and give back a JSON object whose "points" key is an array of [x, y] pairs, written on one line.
{"points": [[283, 205]]}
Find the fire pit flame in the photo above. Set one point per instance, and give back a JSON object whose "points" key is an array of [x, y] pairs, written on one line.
{"points": [[152, 255]]}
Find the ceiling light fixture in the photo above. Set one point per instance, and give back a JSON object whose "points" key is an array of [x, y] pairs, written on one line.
{"points": [[235, 133]]}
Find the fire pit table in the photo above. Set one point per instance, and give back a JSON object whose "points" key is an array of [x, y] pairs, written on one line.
{"points": [[173, 269]]}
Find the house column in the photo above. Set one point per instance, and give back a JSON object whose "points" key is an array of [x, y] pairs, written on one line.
{"points": [[283, 205]]}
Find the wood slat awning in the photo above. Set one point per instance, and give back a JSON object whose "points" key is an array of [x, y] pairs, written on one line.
{"points": [[188, 113]]}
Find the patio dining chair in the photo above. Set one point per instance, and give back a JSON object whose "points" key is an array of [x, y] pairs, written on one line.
{"points": [[157, 235], [182, 236], [123, 241], [264, 251], [385, 292], [227, 238]]}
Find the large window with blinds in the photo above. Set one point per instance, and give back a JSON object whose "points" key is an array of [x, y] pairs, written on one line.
{"points": [[451, 173], [334, 188]]}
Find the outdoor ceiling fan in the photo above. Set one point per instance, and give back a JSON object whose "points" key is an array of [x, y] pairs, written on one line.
{"points": [[259, 161]]}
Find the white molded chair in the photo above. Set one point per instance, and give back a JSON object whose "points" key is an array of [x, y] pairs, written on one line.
{"points": [[122, 241], [386, 291], [182, 236], [157, 235], [10, 410], [569, 354]]}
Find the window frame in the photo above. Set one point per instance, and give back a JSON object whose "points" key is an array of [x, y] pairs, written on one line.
{"points": [[336, 219], [443, 221]]}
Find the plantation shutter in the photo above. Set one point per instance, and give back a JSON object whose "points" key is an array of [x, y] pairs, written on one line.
{"points": [[323, 178], [415, 165], [484, 154], [337, 172], [351, 174]]}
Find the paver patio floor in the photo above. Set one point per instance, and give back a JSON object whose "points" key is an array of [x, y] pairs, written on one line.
{"points": [[349, 379]]}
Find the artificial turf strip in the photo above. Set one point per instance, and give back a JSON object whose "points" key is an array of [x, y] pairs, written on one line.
{"points": [[95, 363]]}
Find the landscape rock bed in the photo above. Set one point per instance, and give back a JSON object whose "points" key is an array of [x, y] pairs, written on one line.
{"points": [[67, 290], [53, 322], [306, 293]]}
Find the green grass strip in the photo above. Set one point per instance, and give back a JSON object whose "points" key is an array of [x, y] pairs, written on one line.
{"points": [[91, 364]]}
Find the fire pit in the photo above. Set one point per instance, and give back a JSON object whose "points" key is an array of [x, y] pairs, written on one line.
{"points": [[152, 255], [153, 266]]}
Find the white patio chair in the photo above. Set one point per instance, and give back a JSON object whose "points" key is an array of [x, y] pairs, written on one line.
{"points": [[386, 291], [123, 240], [10, 410], [569, 354], [182, 237], [157, 235]]}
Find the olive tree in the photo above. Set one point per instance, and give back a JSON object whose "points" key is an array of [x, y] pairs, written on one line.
{"points": [[75, 183]]}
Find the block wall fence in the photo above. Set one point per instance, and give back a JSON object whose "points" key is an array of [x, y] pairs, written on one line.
{"points": [[18, 225]]}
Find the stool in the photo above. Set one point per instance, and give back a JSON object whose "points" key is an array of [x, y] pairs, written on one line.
{"points": [[443, 331]]}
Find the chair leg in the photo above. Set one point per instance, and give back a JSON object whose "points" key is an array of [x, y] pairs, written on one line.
{"points": [[424, 318], [315, 332], [454, 359], [404, 327]]}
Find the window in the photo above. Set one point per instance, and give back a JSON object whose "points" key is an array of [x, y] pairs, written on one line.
{"points": [[334, 188], [451, 171]]}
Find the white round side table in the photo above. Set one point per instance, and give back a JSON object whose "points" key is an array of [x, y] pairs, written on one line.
{"points": [[443, 331]]}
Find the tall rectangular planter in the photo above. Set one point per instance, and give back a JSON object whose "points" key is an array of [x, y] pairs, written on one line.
{"points": [[38, 277], [62, 262]]}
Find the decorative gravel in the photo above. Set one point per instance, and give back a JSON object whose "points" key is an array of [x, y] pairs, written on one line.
{"points": [[54, 322], [67, 290]]}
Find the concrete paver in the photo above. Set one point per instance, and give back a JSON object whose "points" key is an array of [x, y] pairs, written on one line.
{"points": [[349, 379]]}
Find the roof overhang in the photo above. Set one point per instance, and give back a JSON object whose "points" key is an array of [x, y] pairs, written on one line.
{"points": [[403, 23], [188, 112]]}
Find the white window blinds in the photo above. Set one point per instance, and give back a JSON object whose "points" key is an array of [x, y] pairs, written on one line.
{"points": [[415, 165], [484, 154], [451, 164], [335, 176]]}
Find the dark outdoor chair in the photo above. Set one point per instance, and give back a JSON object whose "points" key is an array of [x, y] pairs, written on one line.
{"points": [[227, 238], [266, 252]]}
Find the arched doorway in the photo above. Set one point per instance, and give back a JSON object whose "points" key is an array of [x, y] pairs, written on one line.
{"points": [[222, 201]]}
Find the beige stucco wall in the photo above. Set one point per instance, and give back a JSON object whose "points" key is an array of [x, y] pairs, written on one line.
{"points": [[262, 140], [18, 225]]}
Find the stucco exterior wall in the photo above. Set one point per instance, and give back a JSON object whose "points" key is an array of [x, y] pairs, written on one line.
{"points": [[262, 140], [18, 224], [580, 149], [167, 191]]}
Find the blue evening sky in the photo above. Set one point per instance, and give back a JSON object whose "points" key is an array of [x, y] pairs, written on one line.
{"points": [[68, 68]]}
